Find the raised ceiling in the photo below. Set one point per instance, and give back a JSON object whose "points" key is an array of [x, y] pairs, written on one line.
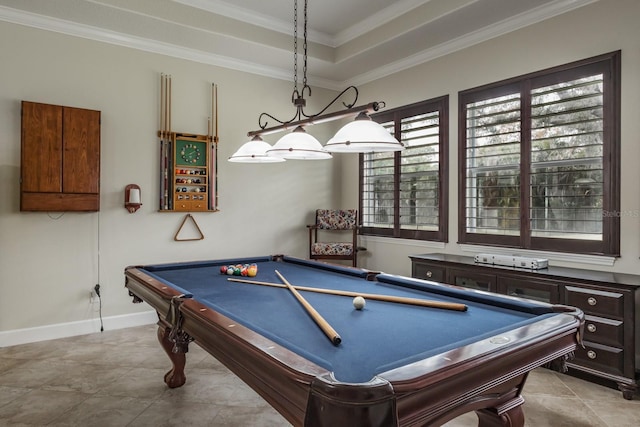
{"points": [[350, 41]]}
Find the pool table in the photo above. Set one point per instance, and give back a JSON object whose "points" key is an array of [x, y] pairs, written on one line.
{"points": [[396, 365]]}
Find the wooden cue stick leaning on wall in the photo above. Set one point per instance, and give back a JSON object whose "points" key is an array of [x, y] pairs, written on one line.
{"points": [[320, 321], [378, 297]]}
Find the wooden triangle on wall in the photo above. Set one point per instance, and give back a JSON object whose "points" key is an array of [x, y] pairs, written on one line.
{"points": [[195, 224]]}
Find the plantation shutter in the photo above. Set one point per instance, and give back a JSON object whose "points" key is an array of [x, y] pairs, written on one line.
{"points": [[419, 167], [403, 194], [567, 135], [492, 155], [378, 189]]}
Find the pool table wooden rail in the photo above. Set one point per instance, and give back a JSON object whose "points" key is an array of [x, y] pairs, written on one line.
{"points": [[431, 391]]}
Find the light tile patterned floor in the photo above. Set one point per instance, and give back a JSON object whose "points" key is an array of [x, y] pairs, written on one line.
{"points": [[114, 378]]}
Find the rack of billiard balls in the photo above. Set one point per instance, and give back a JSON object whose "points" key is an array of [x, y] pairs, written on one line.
{"points": [[247, 270]]}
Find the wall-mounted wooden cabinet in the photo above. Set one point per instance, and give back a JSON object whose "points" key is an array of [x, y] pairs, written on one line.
{"points": [[60, 158], [610, 301]]}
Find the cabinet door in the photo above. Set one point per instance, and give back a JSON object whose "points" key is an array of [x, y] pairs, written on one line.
{"points": [[81, 155], [428, 272], [60, 158], [41, 170], [539, 290], [472, 279]]}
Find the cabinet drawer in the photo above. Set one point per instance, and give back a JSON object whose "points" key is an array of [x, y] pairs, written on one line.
{"points": [[593, 301], [600, 357], [604, 331], [428, 272], [199, 205]]}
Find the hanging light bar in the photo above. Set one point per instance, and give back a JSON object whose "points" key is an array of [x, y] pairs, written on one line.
{"points": [[318, 119], [364, 135]]}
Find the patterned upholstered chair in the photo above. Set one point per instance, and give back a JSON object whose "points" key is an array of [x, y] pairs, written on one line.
{"points": [[330, 222]]}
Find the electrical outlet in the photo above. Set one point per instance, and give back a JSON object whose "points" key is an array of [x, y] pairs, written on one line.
{"points": [[95, 294]]}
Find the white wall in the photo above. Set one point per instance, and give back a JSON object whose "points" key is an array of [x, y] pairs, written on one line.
{"points": [[50, 262], [602, 27]]}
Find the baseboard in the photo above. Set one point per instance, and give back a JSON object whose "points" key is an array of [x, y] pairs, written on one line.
{"points": [[70, 329]]}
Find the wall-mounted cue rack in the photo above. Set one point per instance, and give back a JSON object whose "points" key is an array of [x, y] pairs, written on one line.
{"points": [[188, 162]]}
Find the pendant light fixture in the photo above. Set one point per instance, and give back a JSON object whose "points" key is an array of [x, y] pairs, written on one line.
{"points": [[254, 151], [361, 136], [298, 145]]}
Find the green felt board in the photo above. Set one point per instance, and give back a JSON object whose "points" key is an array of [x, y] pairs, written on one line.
{"points": [[191, 153]]}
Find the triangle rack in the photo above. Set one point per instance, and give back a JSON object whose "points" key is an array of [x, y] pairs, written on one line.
{"points": [[193, 220]]}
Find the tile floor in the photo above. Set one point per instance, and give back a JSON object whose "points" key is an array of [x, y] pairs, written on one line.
{"points": [[114, 378]]}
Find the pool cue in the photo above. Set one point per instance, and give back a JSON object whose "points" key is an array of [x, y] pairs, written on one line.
{"points": [[378, 297], [323, 324]]}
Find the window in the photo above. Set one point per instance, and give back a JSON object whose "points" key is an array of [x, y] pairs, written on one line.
{"points": [[404, 194], [539, 160]]}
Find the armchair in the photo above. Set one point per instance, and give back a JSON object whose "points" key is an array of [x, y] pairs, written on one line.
{"points": [[330, 222]]}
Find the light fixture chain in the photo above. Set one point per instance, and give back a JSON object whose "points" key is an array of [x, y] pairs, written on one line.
{"points": [[305, 45], [295, 46]]}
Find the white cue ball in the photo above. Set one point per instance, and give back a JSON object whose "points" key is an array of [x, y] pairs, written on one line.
{"points": [[359, 303]]}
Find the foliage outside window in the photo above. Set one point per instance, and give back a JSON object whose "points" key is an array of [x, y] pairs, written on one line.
{"points": [[539, 160], [404, 194]]}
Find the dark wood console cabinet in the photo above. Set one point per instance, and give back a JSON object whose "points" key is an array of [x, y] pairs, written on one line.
{"points": [[610, 301]]}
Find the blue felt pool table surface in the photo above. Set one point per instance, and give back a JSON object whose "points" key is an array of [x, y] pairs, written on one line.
{"points": [[378, 338]]}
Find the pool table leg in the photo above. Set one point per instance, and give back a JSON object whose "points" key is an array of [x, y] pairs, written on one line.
{"points": [[175, 377], [508, 415]]}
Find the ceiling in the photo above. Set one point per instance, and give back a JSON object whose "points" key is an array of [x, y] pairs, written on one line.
{"points": [[351, 42]]}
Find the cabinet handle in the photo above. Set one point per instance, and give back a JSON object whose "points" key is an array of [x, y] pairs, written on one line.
{"points": [[591, 354], [592, 301], [429, 273], [591, 327]]}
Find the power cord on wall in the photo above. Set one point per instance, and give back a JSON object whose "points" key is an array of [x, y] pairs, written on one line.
{"points": [[96, 288]]}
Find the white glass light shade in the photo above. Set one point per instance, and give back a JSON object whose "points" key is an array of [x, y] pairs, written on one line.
{"points": [[363, 135], [254, 151], [298, 145]]}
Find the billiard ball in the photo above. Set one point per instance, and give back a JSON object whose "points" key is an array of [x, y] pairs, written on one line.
{"points": [[230, 270], [359, 303], [223, 269], [252, 271]]}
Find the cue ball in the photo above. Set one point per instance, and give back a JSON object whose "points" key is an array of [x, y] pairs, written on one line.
{"points": [[359, 303]]}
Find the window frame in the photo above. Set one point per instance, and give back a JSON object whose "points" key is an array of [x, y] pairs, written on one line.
{"points": [[396, 115], [610, 66]]}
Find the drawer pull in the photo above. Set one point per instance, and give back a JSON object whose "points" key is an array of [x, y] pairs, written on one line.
{"points": [[592, 301], [429, 273], [591, 354], [591, 327]]}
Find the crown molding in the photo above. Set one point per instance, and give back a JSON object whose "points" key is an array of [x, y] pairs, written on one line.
{"points": [[504, 27], [126, 40], [153, 46], [258, 19], [395, 10]]}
